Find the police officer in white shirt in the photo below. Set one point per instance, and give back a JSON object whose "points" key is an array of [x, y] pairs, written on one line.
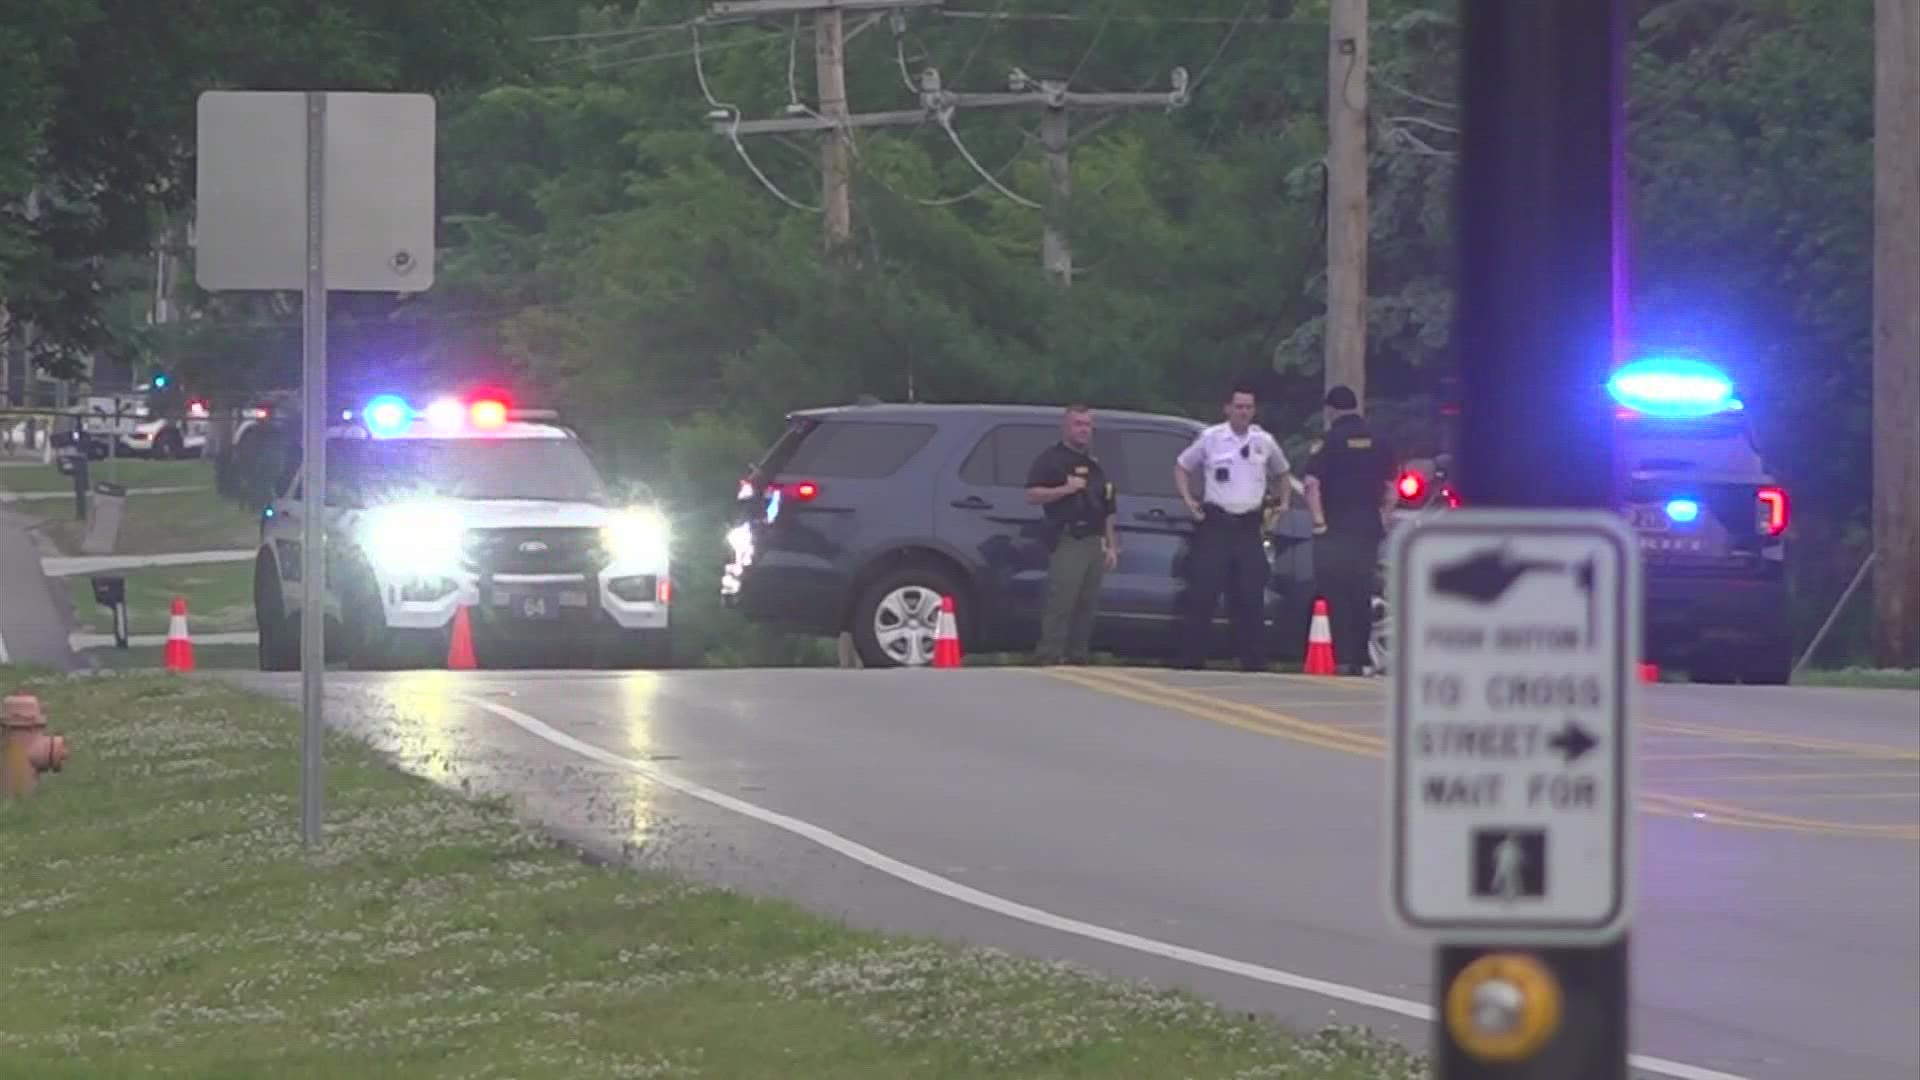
{"points": [[1240, 464]]}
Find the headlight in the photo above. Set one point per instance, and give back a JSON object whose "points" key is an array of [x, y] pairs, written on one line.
{"points": [[417, 539], [640, 538]]}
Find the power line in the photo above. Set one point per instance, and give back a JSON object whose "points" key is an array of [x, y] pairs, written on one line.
{"points": [[732, 112], [1067, 17], [631, 31]]}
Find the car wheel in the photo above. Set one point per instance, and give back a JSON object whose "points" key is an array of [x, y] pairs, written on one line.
{"points": [[1380, 640], [369, 646], [1770, 664], [898, 615], [279, 644]]}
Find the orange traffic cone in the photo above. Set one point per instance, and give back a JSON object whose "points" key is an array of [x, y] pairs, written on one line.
{"points": [[1320, 640], [460, 646], [179, 655], [946, 637]]}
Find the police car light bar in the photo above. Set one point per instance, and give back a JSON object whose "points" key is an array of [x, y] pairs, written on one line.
{"points": [[1673, 387], [391, 414]]}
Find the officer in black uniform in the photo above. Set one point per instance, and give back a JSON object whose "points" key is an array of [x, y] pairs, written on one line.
{"points": [[1349, 488], [1066, 480]]}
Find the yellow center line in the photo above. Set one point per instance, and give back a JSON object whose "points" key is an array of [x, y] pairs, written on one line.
{"points": [[1749, 755], [1206, 713], [1800, 742], [1667, 728], [1836, 796], [1732, 778], [1267, 721]]}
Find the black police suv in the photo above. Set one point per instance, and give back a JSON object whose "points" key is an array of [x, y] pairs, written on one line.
{"points": [[860, 518], [1712, 521]]}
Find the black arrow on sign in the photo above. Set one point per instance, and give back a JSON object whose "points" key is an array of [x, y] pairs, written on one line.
{"points": [[1573, 741]]}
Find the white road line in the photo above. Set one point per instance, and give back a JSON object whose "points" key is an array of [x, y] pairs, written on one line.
{"points": [[93, 564], [999, 905], [49, 496], [85, 642]]}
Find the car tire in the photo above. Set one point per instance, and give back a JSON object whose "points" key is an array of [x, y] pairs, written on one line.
{"points": [[636, 650], [369, 645], [279, 640], [1770, 664], [901, 598]]}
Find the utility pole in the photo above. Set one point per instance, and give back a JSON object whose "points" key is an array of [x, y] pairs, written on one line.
{"points": [[1540, 988], [830, 71], [1346, 317], [937, 104], [1056, 139], [830, 75], [1896, 333]]}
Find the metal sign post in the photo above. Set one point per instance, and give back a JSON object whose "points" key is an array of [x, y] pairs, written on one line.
{"points": [[313, 466], [314, 191], [1519, 629]]}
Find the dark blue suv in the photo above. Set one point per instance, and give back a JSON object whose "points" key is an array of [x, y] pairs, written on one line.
{"points": [[861, 517]]}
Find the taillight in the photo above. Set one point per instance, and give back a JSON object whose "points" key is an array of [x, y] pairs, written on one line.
{"points": [[804, 490], [1411, 486], [1452, 496], [1770, 511]]}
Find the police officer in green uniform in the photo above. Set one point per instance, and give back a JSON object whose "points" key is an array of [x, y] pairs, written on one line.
{"points": [[1349, 489], [1078, 501]]}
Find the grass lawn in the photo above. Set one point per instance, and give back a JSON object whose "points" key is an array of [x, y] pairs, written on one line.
{"points": [[132, 472], [160, 916], [1862, 678], [219, 599], [152, 524]]}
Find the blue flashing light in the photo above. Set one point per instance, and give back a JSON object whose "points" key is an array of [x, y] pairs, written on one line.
{"points": [[1683, 511], [387, 414], [1673, 387]]}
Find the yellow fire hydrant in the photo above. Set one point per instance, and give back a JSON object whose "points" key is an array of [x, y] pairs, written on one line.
{"points": [[26, 750]]}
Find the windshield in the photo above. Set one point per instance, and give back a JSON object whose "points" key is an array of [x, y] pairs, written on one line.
{"points": [[550, 470], [1716, 444]]}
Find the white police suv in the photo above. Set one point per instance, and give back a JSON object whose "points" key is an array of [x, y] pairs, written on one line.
{"points": [[466, 503]]}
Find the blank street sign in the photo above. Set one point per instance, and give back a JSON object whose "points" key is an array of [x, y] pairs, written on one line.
{"points": [[378, 188], [1518, 636]]}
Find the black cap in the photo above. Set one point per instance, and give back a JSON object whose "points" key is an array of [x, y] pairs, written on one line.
{"points": [[1341, 397]]}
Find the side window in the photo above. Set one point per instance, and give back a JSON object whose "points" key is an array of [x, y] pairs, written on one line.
{"points": [[1149, 462], [1006, 453], [864, 449]]}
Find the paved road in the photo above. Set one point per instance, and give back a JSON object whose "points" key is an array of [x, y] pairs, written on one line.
{"points": [[33, 611], [1221, 832]]}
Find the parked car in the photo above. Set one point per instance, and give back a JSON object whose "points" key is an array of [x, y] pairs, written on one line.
{"points": [[1710, 513], [861, 518]]}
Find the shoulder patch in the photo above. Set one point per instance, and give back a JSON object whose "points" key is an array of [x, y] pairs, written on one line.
{"points": [[1359, 443]]}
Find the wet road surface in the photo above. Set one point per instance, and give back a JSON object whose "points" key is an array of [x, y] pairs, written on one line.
{"points": [[1221, 832]]}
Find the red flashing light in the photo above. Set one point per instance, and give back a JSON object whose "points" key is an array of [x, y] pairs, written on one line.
{"points": [[487, 413], [1452, 496], [1411, 485], [798, 491], [1771, 510]]}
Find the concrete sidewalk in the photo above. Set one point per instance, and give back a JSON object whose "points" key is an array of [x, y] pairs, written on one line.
{"points": [[33, 612]]}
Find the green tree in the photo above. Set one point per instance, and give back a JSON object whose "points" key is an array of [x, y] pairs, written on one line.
{"points": [[97, 138]]}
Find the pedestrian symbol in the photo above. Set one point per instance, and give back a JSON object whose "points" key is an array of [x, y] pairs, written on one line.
{"points": [[1510, 864]]}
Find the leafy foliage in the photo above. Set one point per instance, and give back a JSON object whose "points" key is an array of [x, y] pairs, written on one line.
{"points": [[611, 254]]}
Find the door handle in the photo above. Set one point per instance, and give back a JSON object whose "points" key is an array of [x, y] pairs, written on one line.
{"points": [[971, 502]]}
